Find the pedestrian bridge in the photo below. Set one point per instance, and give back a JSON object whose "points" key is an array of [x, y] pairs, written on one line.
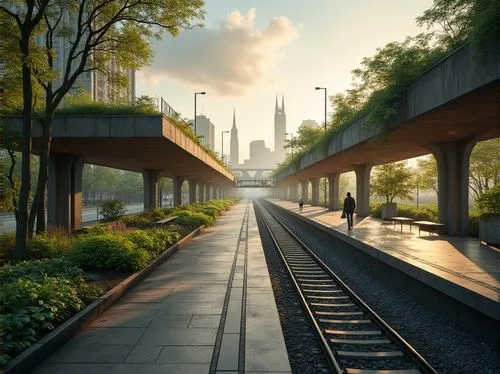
{"points": [[254, 183], [253, 178]]}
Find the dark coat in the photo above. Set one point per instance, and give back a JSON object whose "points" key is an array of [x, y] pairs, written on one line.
{"points": [[349, 204]]}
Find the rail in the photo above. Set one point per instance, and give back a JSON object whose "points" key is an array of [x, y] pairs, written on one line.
{"points": [[354, 338]]}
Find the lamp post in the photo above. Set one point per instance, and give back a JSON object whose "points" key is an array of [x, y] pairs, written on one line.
{"points": [[196, 93], [222, 141], [291, 141], [324, 88]]}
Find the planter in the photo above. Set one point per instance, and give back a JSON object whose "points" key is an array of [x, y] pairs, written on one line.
{"points": [[388, 211], [489, 229]]}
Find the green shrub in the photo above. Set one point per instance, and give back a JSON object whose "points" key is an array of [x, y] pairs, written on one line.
{"points": [[36, 270], [137, 221], [109, 251], [31, 309], [48, 246], [489, 202], [193, 219], [7, 244], [155, 241], [424, 213], [112, 209]]}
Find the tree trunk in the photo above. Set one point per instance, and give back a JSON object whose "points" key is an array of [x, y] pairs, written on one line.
{"points": [[38, 209], [22, 218]]}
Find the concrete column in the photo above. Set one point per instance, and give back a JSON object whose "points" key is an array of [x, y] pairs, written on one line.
{"points": [[294, 192], [305, 190], [362, 189], [201, 192], [210, 192], [333, 191], [453, 184], [64, 206], [315, 190], [150, 181], [177, 182], [192, 190]]}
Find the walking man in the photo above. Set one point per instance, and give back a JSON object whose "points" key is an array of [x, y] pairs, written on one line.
{"points": [[301, 204], [349, 206]]}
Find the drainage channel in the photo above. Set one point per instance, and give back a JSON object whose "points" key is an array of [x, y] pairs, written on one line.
{"points": [[229, 349]]}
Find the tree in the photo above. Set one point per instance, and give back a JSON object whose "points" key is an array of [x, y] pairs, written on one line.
{"points": [[426, 175], [99, 32], [392, 180], [463, 20], [484, 167]]}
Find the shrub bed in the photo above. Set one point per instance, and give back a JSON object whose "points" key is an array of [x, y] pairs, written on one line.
{"points": [[39, 294]]}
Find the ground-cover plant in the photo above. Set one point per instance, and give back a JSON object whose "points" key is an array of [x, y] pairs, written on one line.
{"points": [[108, 251], [7, 244], [38, 295]]}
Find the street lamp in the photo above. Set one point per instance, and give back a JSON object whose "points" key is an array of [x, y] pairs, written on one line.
{"points": [[196, 93], [291, 141], [323, 88], [222, 140]]}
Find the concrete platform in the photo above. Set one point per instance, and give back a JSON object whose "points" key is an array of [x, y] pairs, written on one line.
{"points": [[208, 309], [461, 268]]}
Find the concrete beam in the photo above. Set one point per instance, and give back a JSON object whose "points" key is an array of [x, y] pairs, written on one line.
{"points": [[362, 189], [304, 186], [177, 182], [315, 191], [192, 190], [453, 184], [333, 191], [150, 180], [65, 191]]}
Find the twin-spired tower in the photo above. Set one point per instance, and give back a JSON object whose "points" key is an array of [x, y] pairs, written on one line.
{"points": [[279, 135]]}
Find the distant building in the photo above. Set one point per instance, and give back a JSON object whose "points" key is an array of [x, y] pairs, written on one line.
{"points": [[309, 123], [279, 131], [205, 129], [234, 150], [261, 157]]}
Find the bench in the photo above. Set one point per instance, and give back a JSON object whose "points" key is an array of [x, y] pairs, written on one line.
{"points": [[402, 220], [165, 220], [429, 226]]}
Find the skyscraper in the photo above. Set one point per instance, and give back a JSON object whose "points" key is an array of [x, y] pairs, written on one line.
{"points": [[235, 144], [279, 130]]}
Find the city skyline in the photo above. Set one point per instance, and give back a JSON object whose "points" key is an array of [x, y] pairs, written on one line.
{"points": [[298, 46]]}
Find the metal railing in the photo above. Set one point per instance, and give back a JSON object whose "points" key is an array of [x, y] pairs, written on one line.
{"points": [[169, 112]]}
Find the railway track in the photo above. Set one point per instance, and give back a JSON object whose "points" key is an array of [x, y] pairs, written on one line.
{"points": [[354, 338]]}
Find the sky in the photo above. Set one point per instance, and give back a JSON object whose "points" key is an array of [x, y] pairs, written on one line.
{"points": [[250, 50]]}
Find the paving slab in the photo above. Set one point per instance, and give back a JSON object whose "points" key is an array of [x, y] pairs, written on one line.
{"points": [[170, 322]]}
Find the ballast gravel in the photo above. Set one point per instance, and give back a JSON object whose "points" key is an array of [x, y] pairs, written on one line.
{"points": [[448, 348]]}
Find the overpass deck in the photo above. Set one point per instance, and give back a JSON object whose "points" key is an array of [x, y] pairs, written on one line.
{"points": [[461, 268]]}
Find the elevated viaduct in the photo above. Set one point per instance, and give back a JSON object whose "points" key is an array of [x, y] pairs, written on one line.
{"points": [[151, 145], [445, 112]]}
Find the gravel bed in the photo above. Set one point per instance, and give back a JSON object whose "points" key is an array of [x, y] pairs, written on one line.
{"points": [[304, 352], [445, 345]]}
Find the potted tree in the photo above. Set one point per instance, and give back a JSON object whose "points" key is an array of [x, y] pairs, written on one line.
{"points": [[389, 182], [489, 221]]}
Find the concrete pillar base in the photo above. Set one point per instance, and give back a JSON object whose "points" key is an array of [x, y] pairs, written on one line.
{"points": [[315, 190], [453, 184], [362, 189], [177, 182], [192, 191], [294, 192], [305, 191], [65, 191], [150, 179], [333, 191]]}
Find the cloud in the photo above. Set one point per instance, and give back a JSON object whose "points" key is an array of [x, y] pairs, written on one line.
{"points": [[229, 60]]}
